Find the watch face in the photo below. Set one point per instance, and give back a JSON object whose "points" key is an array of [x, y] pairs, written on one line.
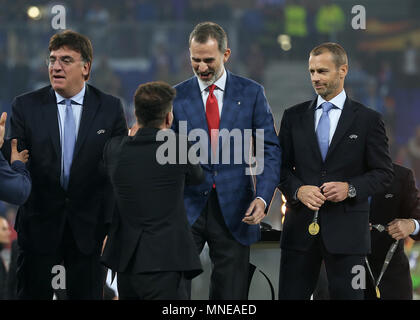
{"points": [[352, 191]]}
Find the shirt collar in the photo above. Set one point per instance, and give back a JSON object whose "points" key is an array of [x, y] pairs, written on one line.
{"points": [[220, 83], [76, 98], [337, 101]]}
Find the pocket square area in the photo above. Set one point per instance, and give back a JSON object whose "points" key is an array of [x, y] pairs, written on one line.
{"points": [[389, 195], [353, 136], [100, 131]]}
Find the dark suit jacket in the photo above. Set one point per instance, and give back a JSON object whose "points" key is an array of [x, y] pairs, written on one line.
{"points": [[244, 107], [150, 233], [358, 154], [399, 200], [87, 202], [15, 181]]}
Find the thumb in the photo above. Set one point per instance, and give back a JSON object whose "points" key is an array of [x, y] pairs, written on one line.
{"points": [[14, 145], [3, 119]]}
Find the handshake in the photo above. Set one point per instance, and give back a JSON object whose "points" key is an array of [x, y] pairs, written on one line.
{"points": [[15, 155]]}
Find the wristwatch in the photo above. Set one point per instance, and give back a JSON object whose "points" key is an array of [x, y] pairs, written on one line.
{"points": [[352, 191]]}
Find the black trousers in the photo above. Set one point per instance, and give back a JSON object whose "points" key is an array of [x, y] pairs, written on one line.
{"points": [[230, 259], [299, 272], [84, 275], [166, 285]]}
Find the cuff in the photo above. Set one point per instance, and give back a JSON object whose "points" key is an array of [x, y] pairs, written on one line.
{"points": [[265, 203], [416, 230]]}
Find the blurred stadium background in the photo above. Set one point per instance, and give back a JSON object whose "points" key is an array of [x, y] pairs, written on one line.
{"points": [[136, 41]]}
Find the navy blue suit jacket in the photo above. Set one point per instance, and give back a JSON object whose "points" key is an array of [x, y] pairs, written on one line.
{"points": [[88, 203], [244, 107], [15, 182]]}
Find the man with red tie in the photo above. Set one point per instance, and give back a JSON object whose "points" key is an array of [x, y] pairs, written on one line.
{"points": [[225, 210]]}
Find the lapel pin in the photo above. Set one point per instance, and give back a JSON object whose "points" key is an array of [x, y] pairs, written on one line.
{"points": [[100, 131], [389, 195], [353, 136], [239, 103]]}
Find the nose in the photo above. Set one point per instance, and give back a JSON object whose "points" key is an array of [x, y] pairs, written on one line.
{"points": [[202, 67]]}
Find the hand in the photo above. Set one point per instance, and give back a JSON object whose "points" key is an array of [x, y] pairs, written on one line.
{"points": [[104, 244], [311, 197], [133, 129], [335, 191], [255, 212], [2, 127], [21, 156], [401, 228]]}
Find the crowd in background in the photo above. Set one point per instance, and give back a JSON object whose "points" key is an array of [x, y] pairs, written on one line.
{"points": [[143, 40]]}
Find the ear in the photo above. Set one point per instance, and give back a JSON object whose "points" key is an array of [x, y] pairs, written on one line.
{"points": [[169, 119], [343, 71], [226, 55], [86, 70]]}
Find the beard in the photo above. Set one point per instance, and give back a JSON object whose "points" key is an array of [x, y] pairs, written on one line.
{"points": [[329, 89], [216, 75]]}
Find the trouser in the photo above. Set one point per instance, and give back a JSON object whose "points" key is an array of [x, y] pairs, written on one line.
{"points": [[229, 258], [299, 272], [81, 276], [165, 285]]}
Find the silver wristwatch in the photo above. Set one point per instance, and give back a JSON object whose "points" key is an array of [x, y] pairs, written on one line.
{"points": [[352, 191]]}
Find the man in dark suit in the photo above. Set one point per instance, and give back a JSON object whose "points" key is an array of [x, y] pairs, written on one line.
{"points": [[151, 245], [225, 211], [65, 126], [15, 180], [335, 155], [398, 209]]}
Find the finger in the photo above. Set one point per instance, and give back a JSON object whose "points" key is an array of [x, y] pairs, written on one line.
{"points": [[14, 145], [250, 209]]}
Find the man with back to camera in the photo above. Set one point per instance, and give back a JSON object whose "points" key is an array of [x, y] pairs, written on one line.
{"points": [[335, 155], [225, 211], [65, 126], [15, 180], [150, 243]]}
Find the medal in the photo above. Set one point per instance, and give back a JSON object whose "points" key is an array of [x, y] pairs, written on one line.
{"points": [[314, 226], [378, 293]]}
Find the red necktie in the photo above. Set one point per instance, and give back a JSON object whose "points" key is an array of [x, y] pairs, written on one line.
{"points": [[212, 115], [213, 119]]}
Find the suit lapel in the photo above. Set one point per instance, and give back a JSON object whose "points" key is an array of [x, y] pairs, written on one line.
{"points": [[308, 123], [231, 103], [231, 106], [346, 119], [50, 112], [89, 109], [195, 110]]}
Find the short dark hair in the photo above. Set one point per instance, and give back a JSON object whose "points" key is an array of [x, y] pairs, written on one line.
{"points": [[205, 30], [152, 102], [74, 41], [338, 53]]}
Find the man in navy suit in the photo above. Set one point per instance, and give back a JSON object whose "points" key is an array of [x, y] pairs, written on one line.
{"points": [[15, 181], [225, 210], [335, 155], [65, 127]]}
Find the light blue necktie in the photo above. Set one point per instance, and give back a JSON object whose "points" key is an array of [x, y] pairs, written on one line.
{"points": [[69, 140], [323, 129]]}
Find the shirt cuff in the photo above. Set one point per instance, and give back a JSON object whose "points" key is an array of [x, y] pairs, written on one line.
{"points": [[265, 203], [416, 230]]}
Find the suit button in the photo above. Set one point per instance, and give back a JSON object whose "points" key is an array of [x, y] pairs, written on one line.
{"points": [[205, 193]]}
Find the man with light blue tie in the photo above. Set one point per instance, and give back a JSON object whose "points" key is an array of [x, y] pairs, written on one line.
{"points": [[335, 155], [65, 127]]}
